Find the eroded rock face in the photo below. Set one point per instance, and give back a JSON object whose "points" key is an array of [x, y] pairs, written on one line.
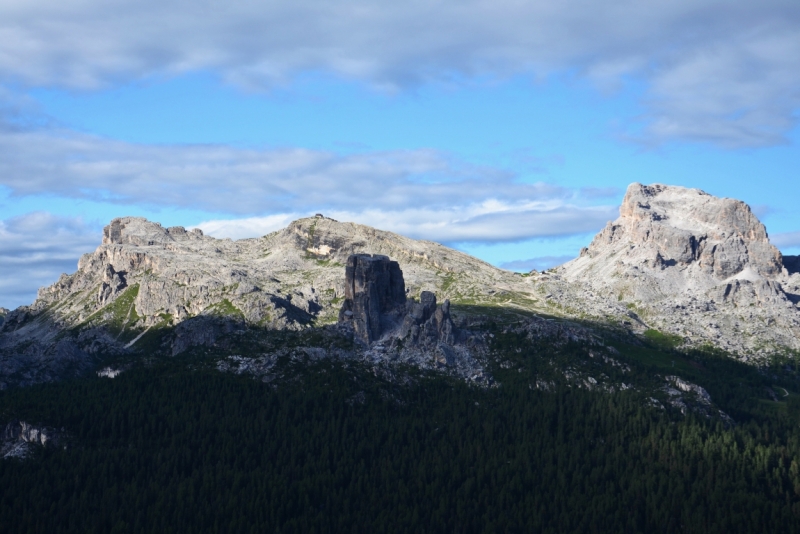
{"points": [[694, 264], [376, 306], [680, 240], [426, 324], [18, 438], [391, 328], [374, 293], [665, 226]]}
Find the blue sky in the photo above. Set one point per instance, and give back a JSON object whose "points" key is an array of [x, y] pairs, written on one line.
{"points": [[506, 129]]}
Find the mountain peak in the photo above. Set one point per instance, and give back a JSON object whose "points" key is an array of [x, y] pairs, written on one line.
{"points": [[141, 232], [709, 258], [672, 230]]}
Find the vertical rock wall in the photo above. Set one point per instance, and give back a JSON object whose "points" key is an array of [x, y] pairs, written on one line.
{"points": [[374, 293]]}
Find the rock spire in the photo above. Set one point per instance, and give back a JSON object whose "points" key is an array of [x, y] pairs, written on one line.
{"points": [[374, 293]]}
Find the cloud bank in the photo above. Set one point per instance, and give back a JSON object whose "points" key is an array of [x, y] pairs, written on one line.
{"points": [[489, 222], [421, 193], [35, 249], [720, 71]]}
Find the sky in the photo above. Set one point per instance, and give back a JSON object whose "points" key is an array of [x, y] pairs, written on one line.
{"points": [[508, 129]]}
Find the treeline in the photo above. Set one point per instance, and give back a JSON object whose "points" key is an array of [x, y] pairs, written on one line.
{"points": [[168, 449]]}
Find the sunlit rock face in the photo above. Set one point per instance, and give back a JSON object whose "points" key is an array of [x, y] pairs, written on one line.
{"points": [[682, 252], [677, 260]]}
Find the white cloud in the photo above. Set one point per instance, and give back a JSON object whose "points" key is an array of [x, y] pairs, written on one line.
{"points": [[35, 249], [722, 71], [489, 222], [423, 193], [785, 239], [248, 227]]}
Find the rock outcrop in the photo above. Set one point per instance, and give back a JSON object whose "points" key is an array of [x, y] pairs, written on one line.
{"points": [[374, 295], [427, 324], [376, 306], [18, 439], [695, 265]]}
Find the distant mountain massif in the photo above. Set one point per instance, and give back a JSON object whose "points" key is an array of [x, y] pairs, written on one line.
{"points": [[677, 261]]}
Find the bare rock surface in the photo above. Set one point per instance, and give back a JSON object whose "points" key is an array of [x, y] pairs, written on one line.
{"points": [[695, 265], [677, 260], [394, 329], [145, 279], [19, 438], [374, 295]]}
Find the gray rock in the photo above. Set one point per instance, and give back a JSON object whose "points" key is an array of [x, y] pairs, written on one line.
{"points": [[18, 439], [427, 325], [683, 260], [374, 293], [375, 305]]}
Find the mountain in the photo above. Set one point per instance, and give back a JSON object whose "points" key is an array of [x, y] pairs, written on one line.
{"points": [[677, 263], [701, 267], [332, 377], [148, 288]]}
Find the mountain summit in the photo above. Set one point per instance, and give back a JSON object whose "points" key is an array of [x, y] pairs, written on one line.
{"points": [[695, 265]]}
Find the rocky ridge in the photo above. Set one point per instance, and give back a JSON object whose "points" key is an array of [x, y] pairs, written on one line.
{"points": [[147, 287], [677, 260]]}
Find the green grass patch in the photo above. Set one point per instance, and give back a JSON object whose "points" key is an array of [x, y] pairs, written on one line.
{"points": [[449, 280], [118, 314], [667, 363], [662, 340], [225, 308]]}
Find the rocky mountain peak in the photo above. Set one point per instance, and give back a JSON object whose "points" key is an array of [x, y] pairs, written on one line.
{"points": [[141, 232], [674, 248], [674, 226]]}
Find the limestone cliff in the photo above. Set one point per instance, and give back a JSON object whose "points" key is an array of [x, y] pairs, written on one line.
{"points": [[151, 288], [693, 264], [374, 295], [375, 306], [18, 438]]}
